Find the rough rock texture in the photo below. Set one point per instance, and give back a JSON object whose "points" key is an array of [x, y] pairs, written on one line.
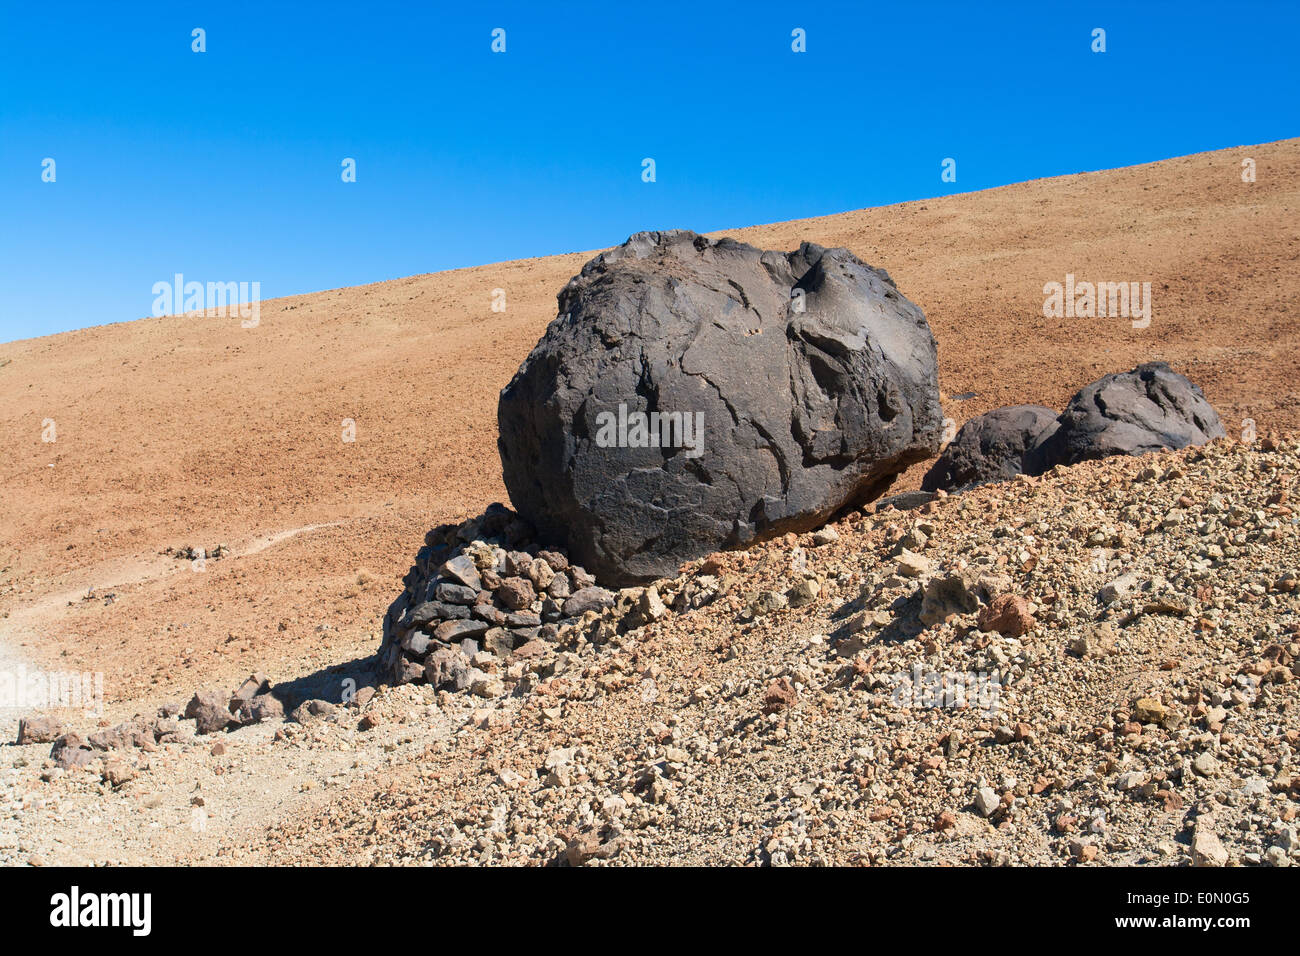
{"points": [[989, 447], [524, 595], [1148, 409], [813, 378], [855, 731], [39, 729], [1007, 614], [210, 711]]}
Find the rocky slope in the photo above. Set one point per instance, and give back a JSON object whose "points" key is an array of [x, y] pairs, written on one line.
{"points": [[191, 431], [1115, 642], [1136, 706]]}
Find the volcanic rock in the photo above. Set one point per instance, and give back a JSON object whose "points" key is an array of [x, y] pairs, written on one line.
{"points": [[989, 447], [1129, 413], [210, 711], [784, 388]]}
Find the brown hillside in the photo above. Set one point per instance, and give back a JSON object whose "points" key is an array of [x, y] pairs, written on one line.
{"points": [[194, 431]]}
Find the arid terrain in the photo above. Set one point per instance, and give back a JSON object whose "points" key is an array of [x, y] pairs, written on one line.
{"points": [[193, 432]]}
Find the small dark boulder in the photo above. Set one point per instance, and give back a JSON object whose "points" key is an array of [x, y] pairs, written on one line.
{"points": [[1150, 408], [210, 711], [989, 447]]}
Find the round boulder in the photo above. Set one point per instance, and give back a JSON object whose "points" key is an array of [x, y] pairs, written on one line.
{"points": [[1147, 409], [989, 447], [698, 394]]}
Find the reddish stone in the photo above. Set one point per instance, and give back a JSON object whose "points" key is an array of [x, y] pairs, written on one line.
{"points": [[1008, 614]]}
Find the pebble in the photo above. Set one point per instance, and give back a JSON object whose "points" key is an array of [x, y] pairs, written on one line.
{"points": [[987, 801]]}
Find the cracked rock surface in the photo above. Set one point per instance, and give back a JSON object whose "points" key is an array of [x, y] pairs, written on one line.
{"points": [[1147, 409], [804, 381], [1151, 408], [989, 447]]}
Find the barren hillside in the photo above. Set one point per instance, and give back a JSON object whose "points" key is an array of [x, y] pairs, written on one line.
{"points": [[192, 431]]}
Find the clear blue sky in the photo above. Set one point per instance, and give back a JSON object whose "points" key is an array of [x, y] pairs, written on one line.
{"points": [[225, 165]]}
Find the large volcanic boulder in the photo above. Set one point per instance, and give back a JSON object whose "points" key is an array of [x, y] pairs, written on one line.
{"points": [[1128, 413], [989, 447], [787, 387]]}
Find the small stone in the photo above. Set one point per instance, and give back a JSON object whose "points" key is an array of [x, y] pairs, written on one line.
{"points": [[1205, 765], [650, 605], [824, 536], [431, 611], [1083, 851], [516, 593], [780, 695], [451, 632], [946, 596], [71, 751], [305, 711], [540, 573], [1206, 848], [803, 593], [117, 772], [912, 565], [488, 686], [1121, 587], [447, 669], [499, 641], [1130, 780], [987, 801], [1008, 614], [1083, 646], [531, 649], [764, 603], [416, 643], [509, 779], [555, 559], [260, 708], [256, 683], [559, 757], [39, 729], [210, 711], [494, 616], [449, 593], [588, 599], [1148, 710], [462, 568]]}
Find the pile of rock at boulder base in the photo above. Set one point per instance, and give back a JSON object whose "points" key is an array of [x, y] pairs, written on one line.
{"points": [[781, 390]]}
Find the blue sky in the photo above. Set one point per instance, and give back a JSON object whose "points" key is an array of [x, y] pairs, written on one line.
{"points": [[225, 165]]}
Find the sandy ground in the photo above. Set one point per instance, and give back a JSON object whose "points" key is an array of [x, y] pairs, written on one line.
{"points": [[193, 431]]}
